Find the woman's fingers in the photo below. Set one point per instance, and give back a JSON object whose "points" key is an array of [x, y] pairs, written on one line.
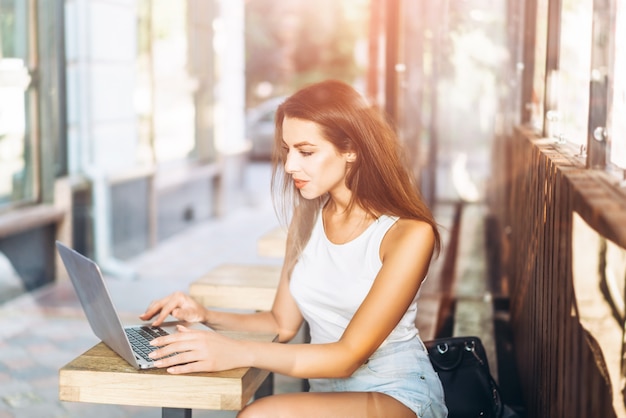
{"points": [[196, 366], [185, 352], [182, 335], [182, 342], [151, 310], [163, 307], [172, 359], [168, 308]]}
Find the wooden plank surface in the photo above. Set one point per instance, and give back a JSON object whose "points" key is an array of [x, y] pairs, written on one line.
{"points": [[100, 376], [473, 315], [272, 244], [428, 306], [28, 218], [238, 286]]}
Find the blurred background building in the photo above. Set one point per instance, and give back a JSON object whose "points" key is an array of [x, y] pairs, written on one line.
{"points": [[123, 122], [116, 120]]}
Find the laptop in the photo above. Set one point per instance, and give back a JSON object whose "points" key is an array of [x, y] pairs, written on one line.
{"points": [[129, 342]]}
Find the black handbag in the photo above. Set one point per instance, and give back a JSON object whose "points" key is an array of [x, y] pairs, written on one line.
{"points": [[469, 389]]}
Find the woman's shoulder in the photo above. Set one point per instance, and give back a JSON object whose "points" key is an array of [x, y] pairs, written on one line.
{"points": [[404, 226], [408, 232]]}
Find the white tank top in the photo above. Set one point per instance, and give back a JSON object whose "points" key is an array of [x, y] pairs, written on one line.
{"points": [[330, 281]]}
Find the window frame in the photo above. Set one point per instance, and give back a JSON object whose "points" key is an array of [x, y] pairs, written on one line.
{"points": [[45, 100], [619, 172], [596, 150], [600, 76], [31, 126]]}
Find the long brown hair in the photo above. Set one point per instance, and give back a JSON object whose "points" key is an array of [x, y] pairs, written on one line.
{"points": [[380, 179]]}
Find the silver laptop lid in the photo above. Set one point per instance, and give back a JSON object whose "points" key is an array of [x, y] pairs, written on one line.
{"points": [[96, 302]]}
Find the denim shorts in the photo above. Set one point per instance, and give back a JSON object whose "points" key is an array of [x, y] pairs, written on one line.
{"points": [[401, 370]]}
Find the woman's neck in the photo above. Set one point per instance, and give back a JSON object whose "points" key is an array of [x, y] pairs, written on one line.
{"points": [[343, 223]]}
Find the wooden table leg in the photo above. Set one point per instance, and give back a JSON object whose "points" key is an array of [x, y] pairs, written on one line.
{"points": [[307, 339], [266, 388], [176, 413]]}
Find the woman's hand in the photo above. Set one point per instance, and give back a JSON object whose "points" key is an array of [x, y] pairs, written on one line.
{"points": [[179, 305], [197, 351]]}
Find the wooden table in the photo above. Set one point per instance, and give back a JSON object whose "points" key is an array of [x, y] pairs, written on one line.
{"points": [[272, 244], [238, 286], [101, 376]]}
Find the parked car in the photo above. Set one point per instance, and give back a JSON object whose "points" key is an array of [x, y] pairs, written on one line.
{"points": [[260, 128]]}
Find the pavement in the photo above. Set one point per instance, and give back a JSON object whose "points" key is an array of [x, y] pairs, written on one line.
{"points": [[42, 330]]}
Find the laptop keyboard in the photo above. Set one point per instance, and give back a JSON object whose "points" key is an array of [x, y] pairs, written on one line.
{"points": [[140, 339]]}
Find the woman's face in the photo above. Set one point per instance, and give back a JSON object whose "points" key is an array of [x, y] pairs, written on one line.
{"points": [[316, 166]]}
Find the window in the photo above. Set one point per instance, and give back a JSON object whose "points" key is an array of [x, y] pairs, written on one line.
{"points": [[541, 39], [165, 93], [617, 123], [574, 70], [17, 148]]}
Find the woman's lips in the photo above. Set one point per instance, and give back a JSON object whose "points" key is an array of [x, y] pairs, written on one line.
{"points": [[300, 183]]}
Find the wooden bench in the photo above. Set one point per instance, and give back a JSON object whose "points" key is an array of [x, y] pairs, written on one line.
{"points": [[435, 290], [27, 236], [474, 313], [428, 308], [456, 299]]}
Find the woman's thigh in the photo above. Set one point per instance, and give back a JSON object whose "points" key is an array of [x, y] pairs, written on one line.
{"points": [[330, 405]]}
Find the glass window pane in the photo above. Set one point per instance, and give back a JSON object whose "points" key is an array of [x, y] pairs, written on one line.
{"points": [[16, 160], [539, 78], [144, 93], [173, 112], [617, 122], [574, 69]]}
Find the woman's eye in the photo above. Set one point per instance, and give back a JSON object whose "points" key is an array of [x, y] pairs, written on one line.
{"points": [[306, 153]]}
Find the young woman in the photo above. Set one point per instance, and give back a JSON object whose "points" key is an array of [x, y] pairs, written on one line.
{"points": [[359, 245]]}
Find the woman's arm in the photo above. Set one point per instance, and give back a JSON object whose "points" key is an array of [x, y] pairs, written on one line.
{"points": [[284, 319], [405, 252]]}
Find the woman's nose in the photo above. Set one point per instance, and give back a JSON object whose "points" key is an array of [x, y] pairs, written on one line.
{"points": [[290, 163]]}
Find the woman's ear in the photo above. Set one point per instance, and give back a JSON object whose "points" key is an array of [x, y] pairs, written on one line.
{"points": [[350, 157]]}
